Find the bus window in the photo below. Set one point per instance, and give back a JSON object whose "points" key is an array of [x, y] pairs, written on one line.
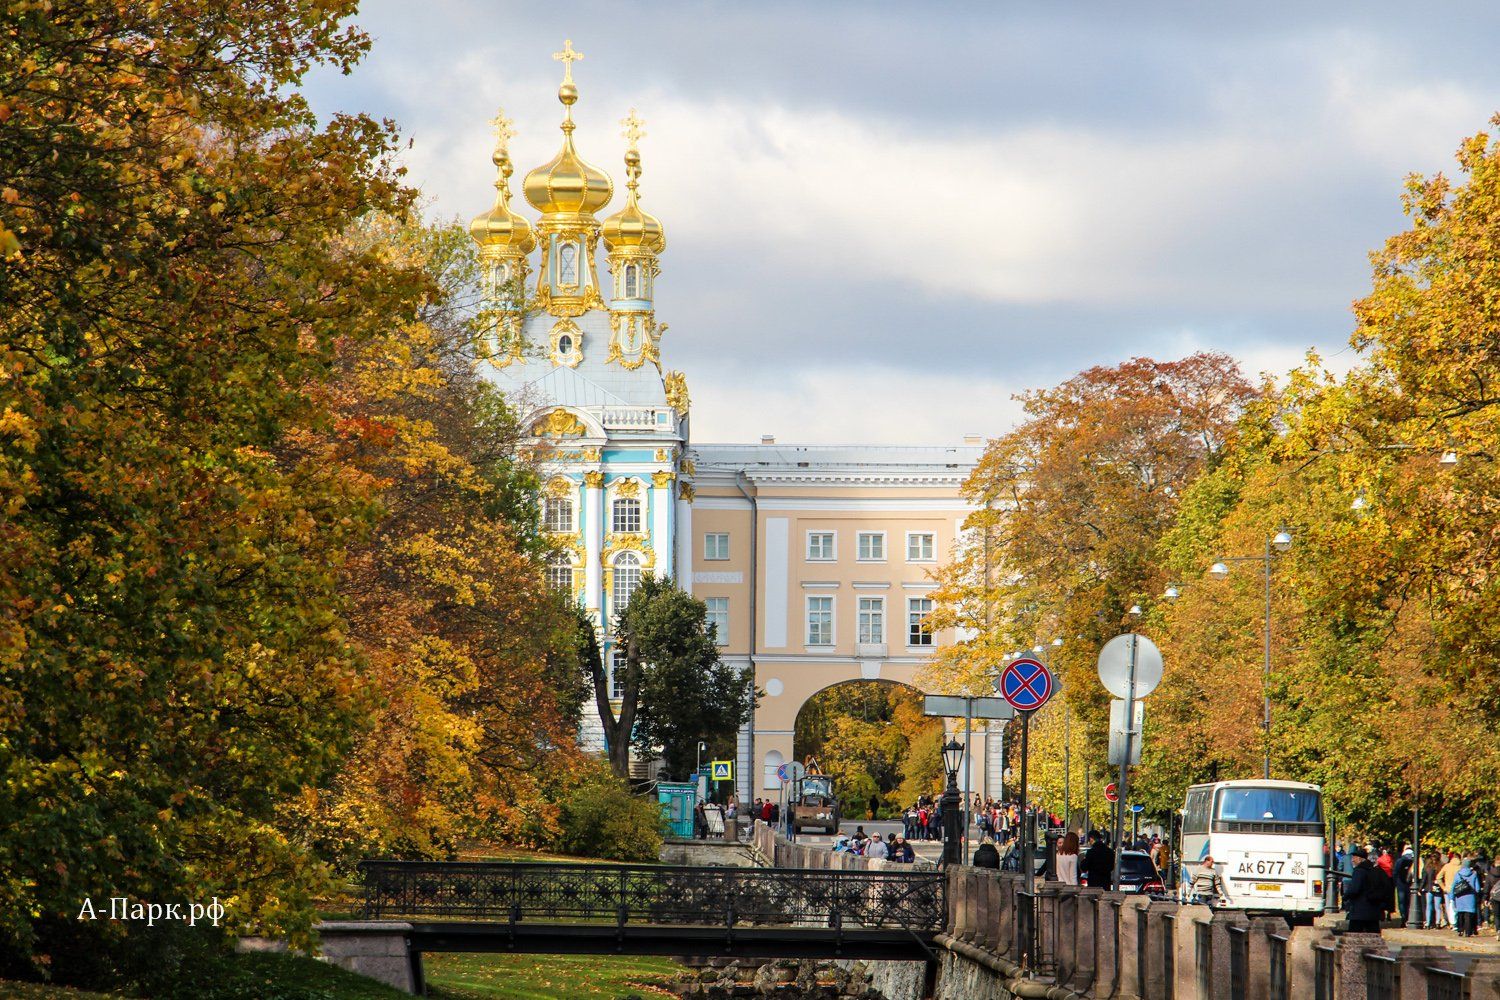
{"points": [[1276, 805], [1195, 811]]}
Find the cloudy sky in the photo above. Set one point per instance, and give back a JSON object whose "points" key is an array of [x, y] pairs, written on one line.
{"points": [[885, 219]]}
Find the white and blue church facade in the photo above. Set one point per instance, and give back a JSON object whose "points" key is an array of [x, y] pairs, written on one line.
{"points": [[816, 563]]}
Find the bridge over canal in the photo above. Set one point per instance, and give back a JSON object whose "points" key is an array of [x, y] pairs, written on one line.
{"points": [[610, 909]]}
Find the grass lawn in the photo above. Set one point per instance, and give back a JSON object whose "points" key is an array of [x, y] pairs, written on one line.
{"points": [[545, 977], [242, 977], [30, 991]]}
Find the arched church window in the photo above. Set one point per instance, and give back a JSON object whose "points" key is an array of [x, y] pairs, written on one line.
{"points": [[557, 514], [565, 344], [567, 264], [560, 573], [632, 280], [625, 515], [627, 579]]}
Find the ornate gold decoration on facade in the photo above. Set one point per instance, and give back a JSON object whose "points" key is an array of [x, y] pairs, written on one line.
{"points": [[663, 455], [559, 487], [677, 392], [628, 542], [685, 491], [558, 423], [593, 479], [689, 467], [661, 480], [505, 239], [633, 340], [628, 488], [567, 343]]}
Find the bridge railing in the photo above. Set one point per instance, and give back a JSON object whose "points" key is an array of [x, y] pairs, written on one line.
{"points": [[654, 894]]}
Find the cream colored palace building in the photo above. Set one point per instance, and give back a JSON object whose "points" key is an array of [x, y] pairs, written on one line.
{"points": [[816, 563]]}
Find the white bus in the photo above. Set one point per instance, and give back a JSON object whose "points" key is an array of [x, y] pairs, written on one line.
{"points": [[1267, 840]]}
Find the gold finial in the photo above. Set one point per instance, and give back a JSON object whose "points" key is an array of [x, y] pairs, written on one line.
{"points": [[505, 130], [635, 129], [567, 57]]}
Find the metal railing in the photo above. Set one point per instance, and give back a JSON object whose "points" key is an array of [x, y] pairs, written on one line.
{"points": [[1239, 964], [1444, 984], [1142, 952], [1325, 964], [1026, 914], [655, 894], [1168, 953], [1278, 967], [1382, 977]]}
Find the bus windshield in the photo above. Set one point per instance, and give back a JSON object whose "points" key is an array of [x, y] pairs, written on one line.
{"points": [[1281, 805]]}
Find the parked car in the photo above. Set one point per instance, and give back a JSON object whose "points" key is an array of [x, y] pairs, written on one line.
{"points": [[1137, 873]]}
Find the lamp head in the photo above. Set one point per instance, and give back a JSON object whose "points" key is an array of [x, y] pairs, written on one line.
{"points": [[1282, 541], [1219, 570], [1135, 609], [953, 754], [1172, 592]]}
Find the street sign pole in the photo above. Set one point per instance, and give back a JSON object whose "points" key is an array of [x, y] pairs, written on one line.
{"points": [[963, 806], [1125, 763], [1026, 832]]}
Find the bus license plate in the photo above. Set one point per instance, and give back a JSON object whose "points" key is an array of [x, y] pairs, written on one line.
{"points": [[1263, 887]]}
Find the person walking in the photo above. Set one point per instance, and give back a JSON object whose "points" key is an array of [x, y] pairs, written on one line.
{"points": [[1367, 894], [1492, 893], [1445, 886], [1067, 859], [1463, 898], [1436, 907], [1405, 868], [1099, 862], [1207, 886]]}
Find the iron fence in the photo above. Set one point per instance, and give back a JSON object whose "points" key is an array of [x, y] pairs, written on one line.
{"points": [[655, 894], [1168, 953], [1382, 978], [1278, 967], [1142, 952], [1325, 961], [1026, 907], [1239, 964], [1444, 984]]}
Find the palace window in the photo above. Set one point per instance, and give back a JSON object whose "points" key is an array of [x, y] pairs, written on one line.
{"points": [[627, 578], [718, 618], [625, 515], [820, 546], [716, 545], [870, 546], [560, 573], [920, 546], [557, 514], [567, 264], [820, 621], [632, 281], [917, 632], [872, 620], [617, 674]]}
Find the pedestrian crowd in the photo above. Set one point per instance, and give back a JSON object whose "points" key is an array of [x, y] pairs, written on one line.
{"points": [[894, 847], [1456, 890]]}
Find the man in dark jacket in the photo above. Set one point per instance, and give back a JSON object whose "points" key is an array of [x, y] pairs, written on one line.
{"points": [[985, 855], [1367, 894], [1099, 862]]}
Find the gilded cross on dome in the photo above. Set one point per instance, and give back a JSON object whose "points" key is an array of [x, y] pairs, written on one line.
{"points": [[635, 128], [505, 129], [567, 57]]}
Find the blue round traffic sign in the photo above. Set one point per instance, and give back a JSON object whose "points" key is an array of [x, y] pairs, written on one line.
{"points": [[1027, 684]]}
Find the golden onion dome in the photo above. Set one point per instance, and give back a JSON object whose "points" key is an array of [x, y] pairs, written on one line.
{"points": [[566, 185], [500, 227], [630, 226]]}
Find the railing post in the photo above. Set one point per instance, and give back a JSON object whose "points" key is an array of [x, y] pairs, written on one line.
{"points": [[1353, 975], [1413, 962]]}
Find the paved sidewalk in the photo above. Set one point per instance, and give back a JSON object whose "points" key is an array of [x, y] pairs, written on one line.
{"points": [[1485, 944]]}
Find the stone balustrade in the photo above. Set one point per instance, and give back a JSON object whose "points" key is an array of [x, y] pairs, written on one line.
{"points": [[1096, 944]]}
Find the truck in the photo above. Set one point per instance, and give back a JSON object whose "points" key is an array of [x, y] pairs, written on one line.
{"points": [[815, 803]]}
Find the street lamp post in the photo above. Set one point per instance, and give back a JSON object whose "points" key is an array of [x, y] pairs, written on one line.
{"points": [[1280, 542], [953, 753]]}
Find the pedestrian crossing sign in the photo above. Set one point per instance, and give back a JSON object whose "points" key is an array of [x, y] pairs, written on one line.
{"points": [[723, 770]]}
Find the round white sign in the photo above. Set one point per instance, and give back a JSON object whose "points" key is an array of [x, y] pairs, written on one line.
{"points": [[1114, 665]]}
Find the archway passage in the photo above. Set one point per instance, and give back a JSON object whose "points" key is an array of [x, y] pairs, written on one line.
{"points": [[872, 737]]}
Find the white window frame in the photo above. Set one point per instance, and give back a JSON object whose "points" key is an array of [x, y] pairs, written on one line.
{"points": [[616, 665], [871, 613], [615, 604], [911, 624], [718, 613], [833, 545], [708, 552], [931, 536], [859, 539], [832, 638], [556, 563], [614, 516], [551, 503]]}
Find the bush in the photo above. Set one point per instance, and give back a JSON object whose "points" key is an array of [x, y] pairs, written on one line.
{"points": [[601, 819]]}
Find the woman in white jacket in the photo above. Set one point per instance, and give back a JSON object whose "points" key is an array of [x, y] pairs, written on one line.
{"points": [[1067, 859]]}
